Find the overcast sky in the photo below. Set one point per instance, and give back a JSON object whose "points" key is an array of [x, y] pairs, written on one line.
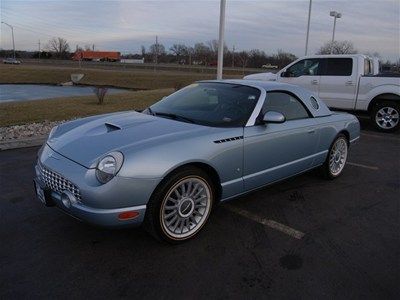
{"points": [[373, 26]]}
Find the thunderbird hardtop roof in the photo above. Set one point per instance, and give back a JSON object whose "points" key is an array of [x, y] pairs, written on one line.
{"points": [[317, 107]]}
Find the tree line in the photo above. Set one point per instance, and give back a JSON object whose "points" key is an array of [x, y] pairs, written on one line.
{"points": [[202, 53]]}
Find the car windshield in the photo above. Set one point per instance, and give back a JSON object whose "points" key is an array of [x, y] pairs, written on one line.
{"points": [[209, 103]]}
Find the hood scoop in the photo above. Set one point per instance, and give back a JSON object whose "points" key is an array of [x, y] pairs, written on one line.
{"points": [[111, 127]]}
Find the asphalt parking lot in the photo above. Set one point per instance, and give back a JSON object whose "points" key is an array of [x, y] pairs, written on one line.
{"points": [[340, 239]]}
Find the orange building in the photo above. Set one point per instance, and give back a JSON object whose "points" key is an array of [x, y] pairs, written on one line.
{"points": [[97, 55]]}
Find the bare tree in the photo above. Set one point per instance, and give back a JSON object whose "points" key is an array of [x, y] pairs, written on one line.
{"points": [[337, 47], [100, 93], [190, 54], [59, 46], [243, 58], [283, 58], [179, 50], [202, 53], [88, 48], [157, 50], [213, 46]]}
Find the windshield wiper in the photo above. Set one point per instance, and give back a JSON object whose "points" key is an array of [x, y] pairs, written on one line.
{"points": [[173, 116]]}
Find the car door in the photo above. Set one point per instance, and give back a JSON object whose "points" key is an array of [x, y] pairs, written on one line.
{"points": [[304, 73], [276, 151], [338, 82]]}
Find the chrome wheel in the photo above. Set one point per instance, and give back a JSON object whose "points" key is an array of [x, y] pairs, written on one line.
{"points": [[186, 207], [387, 117], [338, 156]]}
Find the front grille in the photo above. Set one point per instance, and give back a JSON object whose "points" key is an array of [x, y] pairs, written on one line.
{"points": [[57, 183]]}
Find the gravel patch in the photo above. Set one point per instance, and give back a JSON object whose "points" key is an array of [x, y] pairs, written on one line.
{"points": [[16, 132]]}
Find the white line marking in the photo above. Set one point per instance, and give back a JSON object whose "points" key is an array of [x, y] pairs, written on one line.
{"points": [[270, 223], [362, 166]]}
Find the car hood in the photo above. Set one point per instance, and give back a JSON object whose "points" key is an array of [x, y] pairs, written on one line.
{"points": [[261, 76], [86, 140]]}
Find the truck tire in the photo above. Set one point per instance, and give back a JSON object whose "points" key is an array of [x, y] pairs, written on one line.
{"points": [[385, 116]]}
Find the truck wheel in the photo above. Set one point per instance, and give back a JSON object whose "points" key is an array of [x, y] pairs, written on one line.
{"points": [[385, 116]]}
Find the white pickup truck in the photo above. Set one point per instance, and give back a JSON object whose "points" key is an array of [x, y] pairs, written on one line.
{"points": [[346, 82]]}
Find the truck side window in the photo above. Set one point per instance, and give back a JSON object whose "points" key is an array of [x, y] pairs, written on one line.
{"points": [[337, 67], [308, 67], [286, 104], [367, 67]]}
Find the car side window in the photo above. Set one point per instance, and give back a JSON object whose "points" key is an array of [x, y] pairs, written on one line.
{"points": [[308, 67], [337, 67], [286, 104]]}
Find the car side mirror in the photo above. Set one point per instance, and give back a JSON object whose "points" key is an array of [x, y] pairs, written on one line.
{"points": [[285, 74], [273, 117]]}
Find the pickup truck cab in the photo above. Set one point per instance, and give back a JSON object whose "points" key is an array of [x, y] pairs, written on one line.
{"points": [[346, 82]]}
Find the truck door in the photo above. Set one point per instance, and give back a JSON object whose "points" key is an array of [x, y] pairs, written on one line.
{"points": [[304, 73], [338, 82]]}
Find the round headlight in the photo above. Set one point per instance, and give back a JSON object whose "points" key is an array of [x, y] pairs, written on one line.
{"points": [[109, 166]]}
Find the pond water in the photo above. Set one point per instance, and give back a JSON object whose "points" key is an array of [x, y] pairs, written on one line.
{"points": [[23, 92]]}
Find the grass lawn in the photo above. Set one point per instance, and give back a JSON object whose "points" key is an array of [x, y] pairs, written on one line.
{"points": [[154, 86], [133, 79], [17, 113]]}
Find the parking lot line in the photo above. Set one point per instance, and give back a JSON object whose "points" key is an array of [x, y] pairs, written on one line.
{"points": [[362, 166], [267, 222]]}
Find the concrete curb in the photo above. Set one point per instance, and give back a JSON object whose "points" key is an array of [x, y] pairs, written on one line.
{"points": [[22, 143]]}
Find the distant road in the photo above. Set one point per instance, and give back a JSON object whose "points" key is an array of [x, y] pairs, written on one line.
{"points": [[145, 66]]}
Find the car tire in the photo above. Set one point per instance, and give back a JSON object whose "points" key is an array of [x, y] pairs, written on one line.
{"points": [[180, 206], [385, 116], [337, 158]]}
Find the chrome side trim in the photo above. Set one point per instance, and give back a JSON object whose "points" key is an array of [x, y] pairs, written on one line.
{"points": [[257, 109], [267, 184], [284, 165], [231, 181], [273, 168], [354, 140]]}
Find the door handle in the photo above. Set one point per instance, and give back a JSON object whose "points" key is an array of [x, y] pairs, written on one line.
{"points": [[349, 82], [310, 131], [315, 81]]}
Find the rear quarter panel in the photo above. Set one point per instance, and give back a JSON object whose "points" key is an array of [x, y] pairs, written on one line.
{"points": [[331, 126], [370, 87]]}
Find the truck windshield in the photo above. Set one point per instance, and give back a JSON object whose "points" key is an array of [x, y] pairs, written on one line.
{"points": [[209, 103]]}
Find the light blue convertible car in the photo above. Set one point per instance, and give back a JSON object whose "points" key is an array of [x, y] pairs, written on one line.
{"points": [[167, 166]]}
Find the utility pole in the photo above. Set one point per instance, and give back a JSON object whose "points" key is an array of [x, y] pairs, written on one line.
{"points": [[233, 56], [221, 39], [12, 33], [39, 50], [335, 15], [308, 26], [156, 59], [93, 47]]}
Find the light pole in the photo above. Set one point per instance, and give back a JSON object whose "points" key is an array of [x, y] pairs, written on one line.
{"points": [[308, 26], [12, 33], [335, 15], [221, 39]]}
